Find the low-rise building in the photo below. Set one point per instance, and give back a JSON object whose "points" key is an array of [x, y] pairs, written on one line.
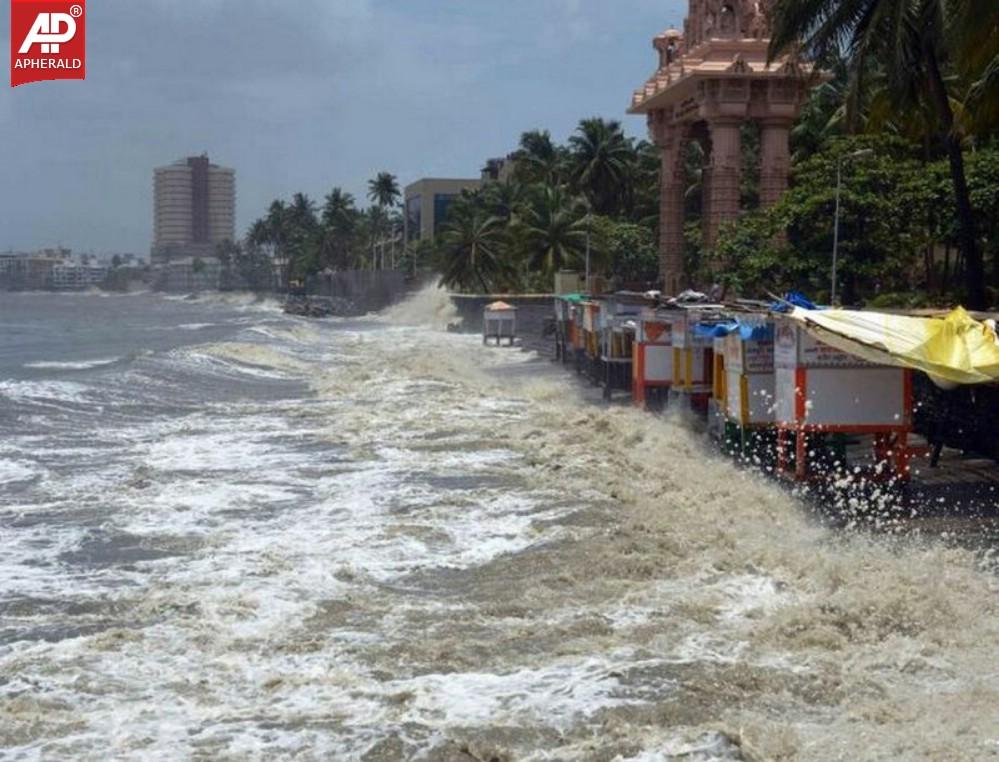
{"points": [[76, 276], [30, 271]]}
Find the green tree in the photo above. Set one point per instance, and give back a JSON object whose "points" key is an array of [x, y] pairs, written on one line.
{"points": [[974, 30], [471, 249], [383, 189], [505, 200], [538, 159], [602, 160], [304, 235], [553, 231], [339, 222], [914, 41], [885, 227], [624, 250], [643, 185]]}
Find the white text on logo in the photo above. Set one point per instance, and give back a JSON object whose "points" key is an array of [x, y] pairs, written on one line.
{"points": [[45, 30]]}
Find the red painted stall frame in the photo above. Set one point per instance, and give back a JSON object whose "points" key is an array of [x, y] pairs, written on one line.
{"points": [[891, 443]]}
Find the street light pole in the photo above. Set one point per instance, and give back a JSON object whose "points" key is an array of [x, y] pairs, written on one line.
{"points": [[839, 182], [587, 288]]}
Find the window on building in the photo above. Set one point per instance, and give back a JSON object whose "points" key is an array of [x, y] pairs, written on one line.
{"points": [[442, 202], [413, 218]]}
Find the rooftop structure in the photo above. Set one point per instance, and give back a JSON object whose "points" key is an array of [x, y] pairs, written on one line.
{"points": [[712, 78], [499, 169]]}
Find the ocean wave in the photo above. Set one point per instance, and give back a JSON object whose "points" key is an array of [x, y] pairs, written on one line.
{"points": [[299, 334], [34, 391], [241, 300], [430, 306], [72, 364], [439, 546], [246, 359]]}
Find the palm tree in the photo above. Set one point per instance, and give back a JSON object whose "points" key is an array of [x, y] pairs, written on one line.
{"points": [[505, 199], [339, 208], [302, 212], [383, 190], [914, 41], [538, 160], [304, 237], [275, 230], [553, 230], [828, 111], [975, 31], [472, 243], [259, 233], [601, 160], [643, 185], [339, 226]]}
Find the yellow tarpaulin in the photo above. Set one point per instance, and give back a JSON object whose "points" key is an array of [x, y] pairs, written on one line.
{"points": [[956, 349]]}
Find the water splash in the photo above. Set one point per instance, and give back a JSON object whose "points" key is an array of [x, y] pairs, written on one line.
{"points": [[431, 307]]}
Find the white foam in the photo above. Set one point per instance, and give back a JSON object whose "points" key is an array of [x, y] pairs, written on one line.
{"points": [[15, 471], [44, 391], [430, 307], [557, 695], [72, 365], [709, 747], [244, 359]]}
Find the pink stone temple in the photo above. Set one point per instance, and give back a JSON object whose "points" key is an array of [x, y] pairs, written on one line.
{"points": [[711, 79]]}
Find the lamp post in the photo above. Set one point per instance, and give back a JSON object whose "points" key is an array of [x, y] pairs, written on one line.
{"points": [[587, 281], [839, 182]]}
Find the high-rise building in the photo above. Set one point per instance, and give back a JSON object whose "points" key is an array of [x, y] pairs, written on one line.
{"points": [[194, 208]]}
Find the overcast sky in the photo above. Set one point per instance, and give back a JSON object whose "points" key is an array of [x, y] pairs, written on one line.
{"points": [[302, 95]]}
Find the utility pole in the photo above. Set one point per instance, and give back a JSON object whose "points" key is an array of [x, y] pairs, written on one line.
{"points": [[839, 182]]}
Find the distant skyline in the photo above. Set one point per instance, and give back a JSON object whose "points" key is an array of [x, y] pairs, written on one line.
{"points": [[301, 97]]}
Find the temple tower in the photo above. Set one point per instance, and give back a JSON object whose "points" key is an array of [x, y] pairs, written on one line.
{"points": [[711, 79]]}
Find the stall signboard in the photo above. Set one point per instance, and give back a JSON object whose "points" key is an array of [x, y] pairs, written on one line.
{"points": [[794, 347]]}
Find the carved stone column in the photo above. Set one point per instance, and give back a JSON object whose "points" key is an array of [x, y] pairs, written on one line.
{"points": [[724, 170], [671, 140], [775, 159]]}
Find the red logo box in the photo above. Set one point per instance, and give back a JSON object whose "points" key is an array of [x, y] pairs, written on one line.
{"points": [[47, 40]]}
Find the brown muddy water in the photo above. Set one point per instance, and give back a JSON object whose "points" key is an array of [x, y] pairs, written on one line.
{"points": [[376, 540]]}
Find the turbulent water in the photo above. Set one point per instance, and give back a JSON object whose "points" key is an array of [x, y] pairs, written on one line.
{"points": [[228, 534]]}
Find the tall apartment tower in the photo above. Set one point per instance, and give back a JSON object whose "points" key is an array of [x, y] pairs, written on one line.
{"points": [[194, 208]]}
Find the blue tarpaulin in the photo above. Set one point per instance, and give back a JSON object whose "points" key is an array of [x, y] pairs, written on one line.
{"points": [[748, 331], [793, 299], [716, 330]]}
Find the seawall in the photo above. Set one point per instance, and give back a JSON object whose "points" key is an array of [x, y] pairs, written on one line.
{"points": [[534, 311], [366, 290]]}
